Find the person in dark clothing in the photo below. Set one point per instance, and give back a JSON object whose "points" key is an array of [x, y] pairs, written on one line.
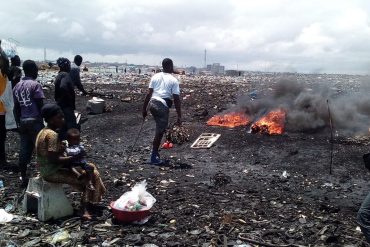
{"points": [[28, 101], [15, 73], [75, 74], [65, 96]]}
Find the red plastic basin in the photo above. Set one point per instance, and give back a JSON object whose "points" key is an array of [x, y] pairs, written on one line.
{"points": [[128, 216]]}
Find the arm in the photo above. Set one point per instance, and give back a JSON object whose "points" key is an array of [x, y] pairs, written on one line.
{"points": [[39, 103], [56, 157], [177, 101], [17, 75], [17, 112], [146, 102], [75, 74]]}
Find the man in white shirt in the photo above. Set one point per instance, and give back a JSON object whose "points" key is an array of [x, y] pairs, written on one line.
{"points": [[164, 90]]}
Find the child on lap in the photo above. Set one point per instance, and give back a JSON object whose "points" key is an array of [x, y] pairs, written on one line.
{"points": [[75, 148]]}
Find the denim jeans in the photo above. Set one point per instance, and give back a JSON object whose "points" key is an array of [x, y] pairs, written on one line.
{"points": [[28, 130], [70, 122], [363, 217]]}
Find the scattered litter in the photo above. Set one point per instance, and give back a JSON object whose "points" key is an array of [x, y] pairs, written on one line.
{"points": [[220, 179], [285, 175], [302, 219], [206, 140], [60, 237], [177, 134], [5, 217], [328, 185], [167, 145]]}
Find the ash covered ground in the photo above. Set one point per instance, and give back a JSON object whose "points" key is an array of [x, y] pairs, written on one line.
{"points": [[213, 197]]}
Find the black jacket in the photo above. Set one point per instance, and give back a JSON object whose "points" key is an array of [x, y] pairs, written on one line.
{"points": [[64, 91]]}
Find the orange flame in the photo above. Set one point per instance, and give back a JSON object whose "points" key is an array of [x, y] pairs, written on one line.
{"points": [[230, 120], [272, 124]]}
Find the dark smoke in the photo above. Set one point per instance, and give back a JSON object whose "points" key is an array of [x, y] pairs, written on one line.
{"points": [[307, 108]]}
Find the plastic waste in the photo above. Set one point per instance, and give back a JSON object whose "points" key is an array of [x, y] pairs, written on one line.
{"points": [[60, 237], [167, 145], [9, 207], [5, 217], [1, 184], [253, 95], [285, 175], [137, 199]]}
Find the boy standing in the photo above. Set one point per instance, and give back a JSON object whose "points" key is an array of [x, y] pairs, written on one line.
{"points": [[164, 90], [28, 101]]}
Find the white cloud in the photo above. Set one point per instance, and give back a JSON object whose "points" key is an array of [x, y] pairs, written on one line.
{"points": [[76, 30], [49, 17], [330, 35]]}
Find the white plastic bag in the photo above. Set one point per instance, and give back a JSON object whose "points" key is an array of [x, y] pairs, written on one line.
{"points": [[5, 217], [136, 200]]}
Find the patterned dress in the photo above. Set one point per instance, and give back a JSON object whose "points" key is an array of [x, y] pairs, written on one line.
{"points": [[47, 141]]}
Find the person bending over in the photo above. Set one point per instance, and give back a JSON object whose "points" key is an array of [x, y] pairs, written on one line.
{"points": [[164, 89]]}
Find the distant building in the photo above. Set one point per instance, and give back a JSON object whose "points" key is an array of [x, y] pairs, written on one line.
{"points": [[216, 69], [234, 72]]}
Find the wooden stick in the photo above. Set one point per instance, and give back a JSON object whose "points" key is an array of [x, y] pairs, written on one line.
{"points": [[331, 139]]}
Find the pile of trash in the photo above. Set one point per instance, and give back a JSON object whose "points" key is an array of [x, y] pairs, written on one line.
{"points": [[177, 134]]}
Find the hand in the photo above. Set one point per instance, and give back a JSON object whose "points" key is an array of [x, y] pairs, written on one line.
{"points": [[145, 114], [63, 145]]}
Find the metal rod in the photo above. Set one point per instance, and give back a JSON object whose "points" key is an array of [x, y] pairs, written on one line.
{"points": [[331, 139], [137, 138]]}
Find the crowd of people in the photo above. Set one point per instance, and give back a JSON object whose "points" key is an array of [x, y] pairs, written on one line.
{"points": [[50, 132]]}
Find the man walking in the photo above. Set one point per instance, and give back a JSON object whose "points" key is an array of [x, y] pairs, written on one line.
{"points": [[75, 74], [28, 101], [164, 90]]}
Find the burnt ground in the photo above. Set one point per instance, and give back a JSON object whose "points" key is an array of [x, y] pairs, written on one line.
{"points": [[194, 207]]}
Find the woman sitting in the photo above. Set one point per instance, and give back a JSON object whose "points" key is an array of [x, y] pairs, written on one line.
{"points": [[54, 165]]}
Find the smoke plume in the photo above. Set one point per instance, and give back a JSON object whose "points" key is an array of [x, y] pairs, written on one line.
{"points": [[307, 108]]}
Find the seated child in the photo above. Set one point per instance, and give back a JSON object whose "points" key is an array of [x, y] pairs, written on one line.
{"points": [[75, 148]]}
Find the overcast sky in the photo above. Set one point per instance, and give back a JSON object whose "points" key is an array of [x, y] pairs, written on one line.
{"points": [[273, 35]]}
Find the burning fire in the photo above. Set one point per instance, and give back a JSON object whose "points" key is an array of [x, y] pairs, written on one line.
{"points": [[230, 120], [272, 124]]}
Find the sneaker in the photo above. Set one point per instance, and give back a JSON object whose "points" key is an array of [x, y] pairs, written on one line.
{"points": [[156, 159]]}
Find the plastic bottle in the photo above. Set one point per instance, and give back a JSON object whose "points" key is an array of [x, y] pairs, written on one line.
{"points": [[1, 184]]}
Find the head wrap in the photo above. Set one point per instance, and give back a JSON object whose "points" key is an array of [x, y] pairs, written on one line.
{"points": [[50, 110], [64, 64]]}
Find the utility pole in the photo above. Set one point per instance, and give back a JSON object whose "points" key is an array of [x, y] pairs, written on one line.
{"points": [[45, 55], [205, 58]]}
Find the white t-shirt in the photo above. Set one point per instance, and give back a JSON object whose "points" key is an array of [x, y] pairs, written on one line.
{"points": [[164, 86]]}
